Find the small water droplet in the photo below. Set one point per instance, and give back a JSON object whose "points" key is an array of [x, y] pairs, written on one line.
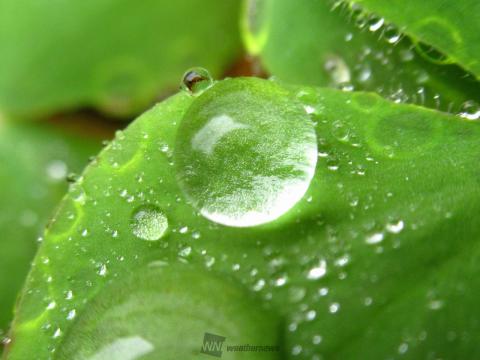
{"points": [[281, 281], [375, 238], [375, 22], [310, 315], [430, 53], [470, 110], [317, 339], [185, 251], [435, 304], [297, 350], [71, 314], [395, 227], [196, 81], [51, 305], [318, 271], [57, 333], [403, 348], [334, 308], [102, 271], [259, 285], [391, 34], [149, 223], [337, 69], [296, 294]]}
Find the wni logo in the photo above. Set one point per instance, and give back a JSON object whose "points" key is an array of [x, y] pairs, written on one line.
{"points": [[212, 344]]}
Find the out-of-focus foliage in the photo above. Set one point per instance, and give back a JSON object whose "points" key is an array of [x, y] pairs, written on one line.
{"points": [[343, 45], [115, 55], [35, 161], [450, 26]]}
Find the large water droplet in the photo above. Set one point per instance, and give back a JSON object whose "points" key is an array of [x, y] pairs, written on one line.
{"points": [[149, 223], [245, 152], [196, 80]]}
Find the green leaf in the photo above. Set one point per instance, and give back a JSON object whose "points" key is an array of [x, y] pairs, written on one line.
{"points": [[115, 55], [451, 27], [35, 160], [311, 42], [378, 258]]}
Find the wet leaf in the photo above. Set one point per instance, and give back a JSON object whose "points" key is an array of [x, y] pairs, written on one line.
{"points": [[338, 45], [118, 56], [378, 257]]}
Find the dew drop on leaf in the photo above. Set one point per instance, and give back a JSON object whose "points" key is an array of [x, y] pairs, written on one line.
{"points": [[391, 34], [431, 54], [470, 110], [245, 152], [149, 223], [196, 81]]}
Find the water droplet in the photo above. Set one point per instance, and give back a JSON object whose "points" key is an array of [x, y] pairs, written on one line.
{"points": [[340, 131], [196, 81], [375, 238], [431, 54], [185, 251], [395, 227], [149, 223], [318, 271], [435, 304], [334, 307], [391, 34], [57, 333], [375, 22], [403, 348], [71, 314], [102, 271], [52, 305], [470, 110], [310, 315], [297, 350], [245, 153], [296, 294], [317, 339], [281, 281], [259, 285], [338, 70]]}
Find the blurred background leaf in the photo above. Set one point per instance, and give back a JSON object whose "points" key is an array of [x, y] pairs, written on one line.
{"points": [[35, 162], [449, 26], [118, 56], [327, 43]]}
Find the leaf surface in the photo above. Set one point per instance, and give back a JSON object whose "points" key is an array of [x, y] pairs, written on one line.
{"points": [[378, 257]]}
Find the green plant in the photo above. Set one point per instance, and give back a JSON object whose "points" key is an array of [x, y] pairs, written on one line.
{"points": [[332, 223]]}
